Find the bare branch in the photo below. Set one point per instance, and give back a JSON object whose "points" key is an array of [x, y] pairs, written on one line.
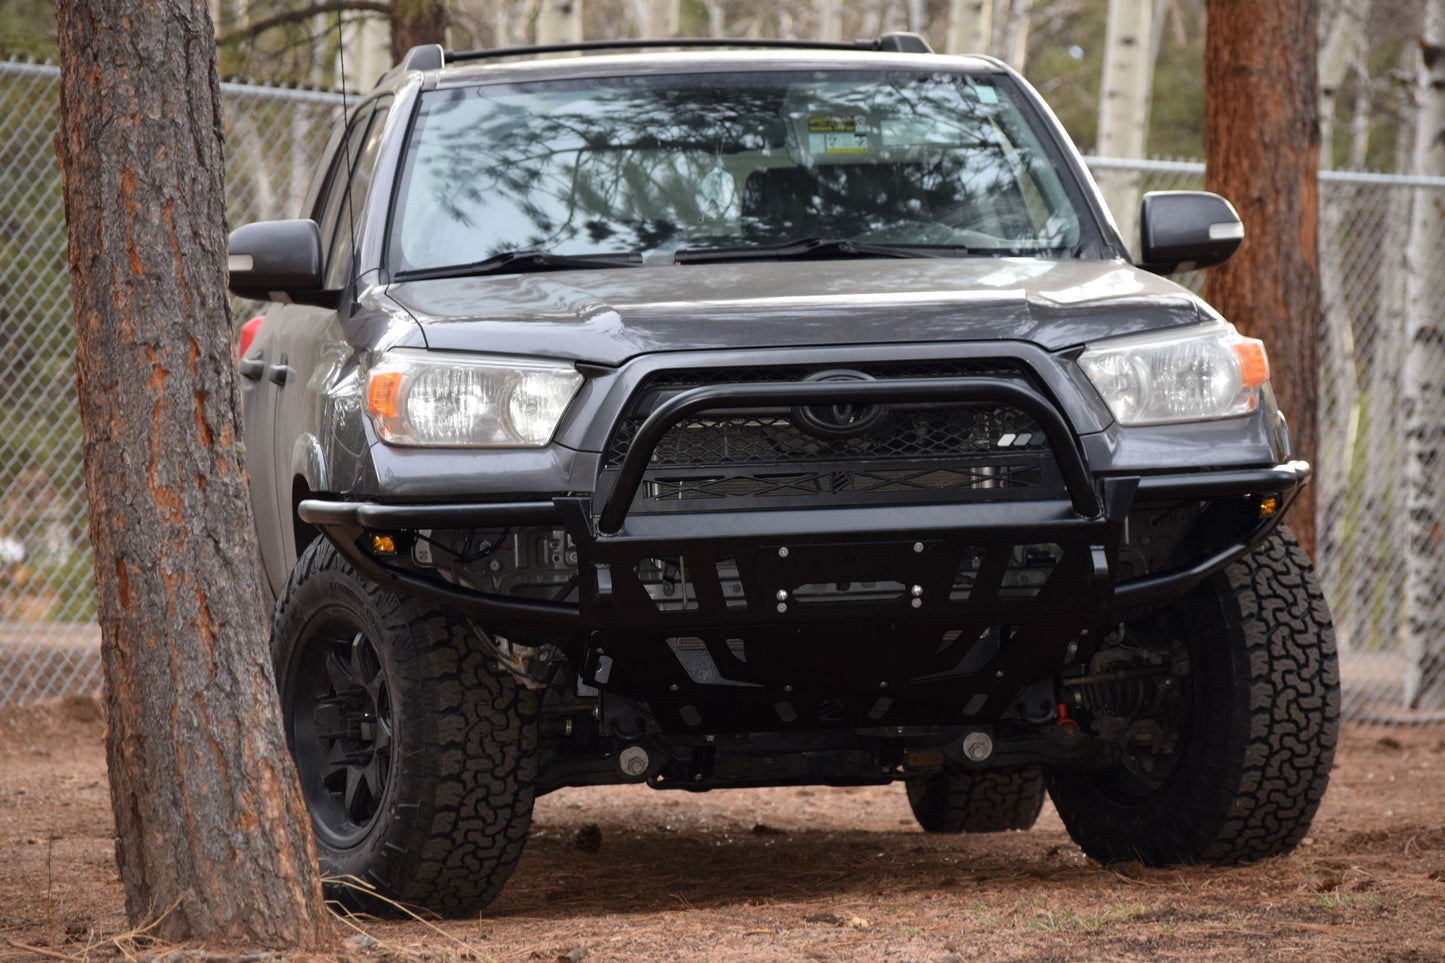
{"points": [[254, 30]]}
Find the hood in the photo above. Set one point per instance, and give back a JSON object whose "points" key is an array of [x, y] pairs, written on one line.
{"points": [[609, 316]]}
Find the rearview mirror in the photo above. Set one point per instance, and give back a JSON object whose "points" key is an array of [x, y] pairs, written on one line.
{"points": [[1186, 231], [278, 261]]}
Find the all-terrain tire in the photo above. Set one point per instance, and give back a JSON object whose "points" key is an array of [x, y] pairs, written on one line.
{"points": [[1259, 730], [977, 800], [417, 756]]}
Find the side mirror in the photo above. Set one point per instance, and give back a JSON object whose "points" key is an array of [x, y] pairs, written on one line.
{"points": [[1186, 231], [278, 261]]}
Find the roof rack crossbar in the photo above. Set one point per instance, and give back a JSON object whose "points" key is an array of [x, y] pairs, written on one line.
{"points": [[898, 42]]}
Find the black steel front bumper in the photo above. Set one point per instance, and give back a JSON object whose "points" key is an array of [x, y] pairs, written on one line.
{"points": [[997, 524], [769, 645], [1087, 524]]}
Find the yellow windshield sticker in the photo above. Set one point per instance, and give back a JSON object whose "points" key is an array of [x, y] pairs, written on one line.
{"points": [[837, 135]]}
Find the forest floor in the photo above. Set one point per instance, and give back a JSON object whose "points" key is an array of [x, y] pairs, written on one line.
{"points": [[794, 874]]}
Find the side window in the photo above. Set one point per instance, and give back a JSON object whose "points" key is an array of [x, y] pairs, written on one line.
{"points": [[329, 202], [353, 203]]}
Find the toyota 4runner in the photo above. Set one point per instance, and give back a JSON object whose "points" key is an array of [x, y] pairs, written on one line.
{"points": [[759, 414]]}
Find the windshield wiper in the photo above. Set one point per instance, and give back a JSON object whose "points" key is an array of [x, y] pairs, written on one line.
{"points": [[523, 262], [820, 248]]}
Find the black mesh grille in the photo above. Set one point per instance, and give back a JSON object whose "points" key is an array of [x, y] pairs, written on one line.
{"points": [[774, 456], [845, 482], [773, 436], [907, 433]]}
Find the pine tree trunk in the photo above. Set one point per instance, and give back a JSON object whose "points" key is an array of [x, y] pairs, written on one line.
{"points": [[1424, 622], [211, 836], [1261, 136], [415, 22]]}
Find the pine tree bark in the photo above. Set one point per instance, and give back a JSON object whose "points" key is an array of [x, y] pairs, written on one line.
{"points": [[1261, 138], [211, 836], [415, 22]]}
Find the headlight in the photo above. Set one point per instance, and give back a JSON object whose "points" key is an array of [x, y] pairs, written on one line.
{"points": [[468, 401], [1193, 375]]}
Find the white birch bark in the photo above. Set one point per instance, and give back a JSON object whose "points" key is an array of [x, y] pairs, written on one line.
{"points": [[830, 20], [663, 17], [368, 51], [970, 26], [1360, 118], [717, 25], [1014, 38], [1341, 49], [1124, 107], [1425, 386], [872, 23], [1340, 380], [917, 16], [559, 21]]}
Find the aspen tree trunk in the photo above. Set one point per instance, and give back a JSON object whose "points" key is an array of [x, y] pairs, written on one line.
{"points": [[1013, 31], [663, 17], [1340, 384], [917, 16], [970, 26], [1425, 386], [830, 20], [1124, 107], [1342, 48], [211, 836], [1360, 118], [1261, 137], [559, 21]]}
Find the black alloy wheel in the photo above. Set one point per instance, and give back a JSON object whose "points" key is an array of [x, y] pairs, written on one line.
{"points": [[417, 754], [342, 727]]}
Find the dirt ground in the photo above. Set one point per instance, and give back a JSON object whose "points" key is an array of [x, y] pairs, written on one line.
{"points": [[798, 874]]}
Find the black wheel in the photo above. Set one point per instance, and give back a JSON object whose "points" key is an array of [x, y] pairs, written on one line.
{"points": [[416, 756], [977, 800], [1242, 745]]}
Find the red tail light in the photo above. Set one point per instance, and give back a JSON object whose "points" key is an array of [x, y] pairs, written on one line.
{"points": [[248, 331]]}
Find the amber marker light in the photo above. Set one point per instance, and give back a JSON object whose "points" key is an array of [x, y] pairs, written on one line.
{"points": [[1268, 506], [383, 394], [383, 544], [1253, 362]]}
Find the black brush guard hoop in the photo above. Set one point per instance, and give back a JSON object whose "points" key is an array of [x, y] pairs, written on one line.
{"points": [[1062, 442]]}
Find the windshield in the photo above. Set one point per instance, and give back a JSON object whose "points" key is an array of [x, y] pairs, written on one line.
{"points": [[727, 162]]}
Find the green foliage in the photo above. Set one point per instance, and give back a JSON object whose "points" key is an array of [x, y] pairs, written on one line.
{"points": [[27, 29], [1337, 901]]}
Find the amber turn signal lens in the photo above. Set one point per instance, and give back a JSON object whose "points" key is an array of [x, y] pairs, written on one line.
{"points": [[1253, 362], [383, 393], [383, 544], [1268, 506]]}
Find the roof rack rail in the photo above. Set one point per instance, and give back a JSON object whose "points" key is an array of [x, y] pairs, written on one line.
{"points": [[896, 42]]}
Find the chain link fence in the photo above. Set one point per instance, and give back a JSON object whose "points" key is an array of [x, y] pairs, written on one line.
{"points": [[48, 639]]}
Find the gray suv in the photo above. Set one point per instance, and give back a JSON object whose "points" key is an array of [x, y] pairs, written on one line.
{"points": [[761, 414]]}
